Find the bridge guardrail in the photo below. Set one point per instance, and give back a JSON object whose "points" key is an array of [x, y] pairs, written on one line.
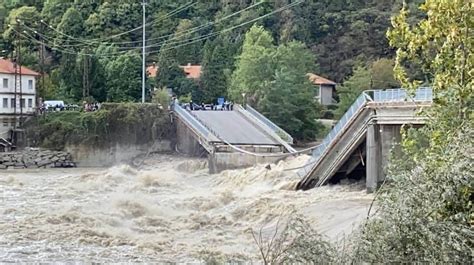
{"points": [[421, 94], [341, 124], [279, 131], [192, 121], [389, 95]]}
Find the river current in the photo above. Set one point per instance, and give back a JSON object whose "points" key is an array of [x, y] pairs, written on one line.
{"points": [[171, 210]]}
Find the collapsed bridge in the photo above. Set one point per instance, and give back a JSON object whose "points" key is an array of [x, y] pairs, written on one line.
{"points": [[364, 137], [361, 141]]}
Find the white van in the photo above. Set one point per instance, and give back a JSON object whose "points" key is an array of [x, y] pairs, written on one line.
{"points": [[55, 105]]}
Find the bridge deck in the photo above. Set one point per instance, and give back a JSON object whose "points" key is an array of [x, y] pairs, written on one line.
{"points": [[234, 128]]}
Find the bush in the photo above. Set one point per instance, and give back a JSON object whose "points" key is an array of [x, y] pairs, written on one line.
{"points": [[425, 210], [114, 122]]}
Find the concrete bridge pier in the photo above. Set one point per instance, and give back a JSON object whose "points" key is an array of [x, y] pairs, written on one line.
{"points": [[381, 141]]}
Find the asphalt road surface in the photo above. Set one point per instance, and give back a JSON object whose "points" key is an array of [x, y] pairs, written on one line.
{"points": [[234, 128]]}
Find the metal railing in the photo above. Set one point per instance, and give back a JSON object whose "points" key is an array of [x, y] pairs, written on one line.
{"points": [[389, 95], [275, 128], [393, 95], [193, 122]]}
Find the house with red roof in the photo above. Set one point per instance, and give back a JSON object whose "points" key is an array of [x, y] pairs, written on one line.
{"points": [[325, 89], [17, 94], [191, 71]]}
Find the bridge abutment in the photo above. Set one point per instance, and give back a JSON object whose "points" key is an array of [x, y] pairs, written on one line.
{"points": [[186, 141]]}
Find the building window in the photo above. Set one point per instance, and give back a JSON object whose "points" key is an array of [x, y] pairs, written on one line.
{"points": [[30, 103], [30, 84], [5, 103], [5, 82], [5, 122], [13, 122], [22, 103], [13, 105]]}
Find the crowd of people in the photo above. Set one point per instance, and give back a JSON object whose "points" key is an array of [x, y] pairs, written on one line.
{"points": [[192, 106], [55, 106], [90, 107]]}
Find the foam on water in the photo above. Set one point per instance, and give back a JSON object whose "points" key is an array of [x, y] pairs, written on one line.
{"points": [[170, 211]]}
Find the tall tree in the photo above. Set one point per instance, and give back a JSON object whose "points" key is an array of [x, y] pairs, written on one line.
{"points": [[351, 89], [254, 66], [53, 11], [70, 72], [216, 64], [289, 100], [124, 78], [382, 75], [25, 15], [71, 24]]}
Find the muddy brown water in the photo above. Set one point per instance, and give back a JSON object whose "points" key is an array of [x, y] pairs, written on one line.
{"points": [[172, 210]]}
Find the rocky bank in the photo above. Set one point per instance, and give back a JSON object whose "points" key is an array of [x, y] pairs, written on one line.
{"points": [[35, 159]]}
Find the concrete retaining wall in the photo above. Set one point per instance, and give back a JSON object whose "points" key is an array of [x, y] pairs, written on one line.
{"points": [[91, 156], [35, 159], [223, 161]]}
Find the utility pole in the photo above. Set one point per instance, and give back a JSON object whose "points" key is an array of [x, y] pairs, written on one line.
{"points": [[15, 64], [22, 105], [41, 54], [143, 51]]}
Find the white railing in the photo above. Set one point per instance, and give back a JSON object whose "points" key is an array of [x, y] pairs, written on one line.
{"points": [[275, 128], [193, 122], [389, 95]]}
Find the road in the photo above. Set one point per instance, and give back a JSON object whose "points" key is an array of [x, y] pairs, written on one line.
{"points": [[234, 128]]}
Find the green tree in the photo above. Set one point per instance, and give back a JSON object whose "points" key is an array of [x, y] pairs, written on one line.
{"points": [[161, 97], [216, 63], [27, 15], [71, 24], [115, 17], [289, 100], [124, 75], [70, 77], [254, 66], [351, 89], [189, 53], [382, 75], [53, 11], [70, 70]]}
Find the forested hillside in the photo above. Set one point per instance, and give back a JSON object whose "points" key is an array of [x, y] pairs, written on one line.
{"points": [[91, 49]]}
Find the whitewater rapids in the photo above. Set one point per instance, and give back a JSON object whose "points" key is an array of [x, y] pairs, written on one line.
{"points": [[171, 210]]}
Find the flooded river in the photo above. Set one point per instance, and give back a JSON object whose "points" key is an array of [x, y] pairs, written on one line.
{"points": [[171, 210]]}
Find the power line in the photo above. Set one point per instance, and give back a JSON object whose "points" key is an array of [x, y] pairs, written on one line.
{"points": [[99, 40], [172, 35], [176, 44]]}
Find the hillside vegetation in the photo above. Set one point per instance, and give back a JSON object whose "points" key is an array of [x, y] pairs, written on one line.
{"points": [[91, 50]]}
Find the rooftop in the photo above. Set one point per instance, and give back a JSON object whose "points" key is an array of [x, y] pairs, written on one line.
{"points": [[191, 71], [7, 67], [319, 80]]}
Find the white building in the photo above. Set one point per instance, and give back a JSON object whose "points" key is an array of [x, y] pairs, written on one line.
{"points": [[15, 100]]}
